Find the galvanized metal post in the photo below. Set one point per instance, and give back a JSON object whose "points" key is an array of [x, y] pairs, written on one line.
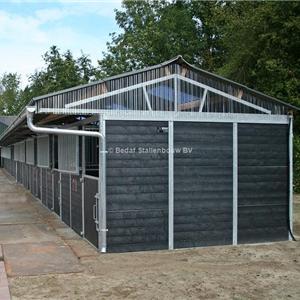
{"points": [[235, 185], [70, 199], [16, 172], [171, 184], [291, 175], [102, 187], [41, 183], [52, 178], [83, 163], [83, 166], [60, 200]]}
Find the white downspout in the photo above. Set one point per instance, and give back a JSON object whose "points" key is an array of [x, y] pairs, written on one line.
{"points": [[32, 127]]}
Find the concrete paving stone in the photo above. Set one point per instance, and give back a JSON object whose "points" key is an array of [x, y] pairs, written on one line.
{"points": [[13, 197], [27, 233], [7, 187], [81, 248], [18, 215], [40, 258], [56, 223], [4, 290], [67, 234]]}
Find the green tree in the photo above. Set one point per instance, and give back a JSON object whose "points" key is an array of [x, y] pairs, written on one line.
{"points": [[61, 71], [262, 46], [155, 31], [9, 93]]}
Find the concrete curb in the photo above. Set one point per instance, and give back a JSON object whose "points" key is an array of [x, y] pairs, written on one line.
{"points": [[1, 254], [4, 290]]}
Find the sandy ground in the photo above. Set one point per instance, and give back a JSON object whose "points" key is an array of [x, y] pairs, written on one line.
{"points": [[267, 271], [35, 241]]}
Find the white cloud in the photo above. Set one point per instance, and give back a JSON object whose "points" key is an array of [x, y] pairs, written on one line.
{"points": [[24, 38]]}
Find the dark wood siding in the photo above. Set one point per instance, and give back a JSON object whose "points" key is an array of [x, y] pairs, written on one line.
{"points": [[65, 198], [56, 192], [44, 185], [137, 186], [49, 189], [202, 184], [76, 203], [262, 183]]}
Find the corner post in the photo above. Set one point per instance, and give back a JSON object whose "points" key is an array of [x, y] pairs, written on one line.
{"points": [[101, 197], [235, 185], [171, 184], [291, 137]]}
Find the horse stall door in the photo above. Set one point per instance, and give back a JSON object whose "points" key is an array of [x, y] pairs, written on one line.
{"points": [[90, 191], [137, 185], [203, 184], [263, 176]]}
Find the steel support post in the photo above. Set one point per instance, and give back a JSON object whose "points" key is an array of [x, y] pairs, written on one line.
{"points": [[235, 185], [291, 176], [83, 166], [171, 184], [101, 197]]}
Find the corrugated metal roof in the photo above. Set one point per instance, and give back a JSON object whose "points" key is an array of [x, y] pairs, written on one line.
{"points": [[179, 60], [177, 64], [7, 120]]}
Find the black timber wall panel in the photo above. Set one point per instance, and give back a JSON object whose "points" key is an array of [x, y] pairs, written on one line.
{"points": [[37, 182], [26, 175], [76, 203], [17, 171], [44, 186], [49, 195], [13, 168], [23, 179], [90, 190], [31, 179], [202, 184], [65, 198], [20, 171], [34, 182], [137, 186], [56, 192], [262, 183]]}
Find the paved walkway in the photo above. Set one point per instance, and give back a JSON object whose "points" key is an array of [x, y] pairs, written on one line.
{"points": [[33, 241]]}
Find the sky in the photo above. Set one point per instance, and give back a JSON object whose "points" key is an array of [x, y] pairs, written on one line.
{"points": [[29, 28]]}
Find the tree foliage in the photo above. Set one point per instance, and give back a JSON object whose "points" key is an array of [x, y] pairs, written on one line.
{"points": [[61, 71], [155, 31], [10, 94], [262, 46]]}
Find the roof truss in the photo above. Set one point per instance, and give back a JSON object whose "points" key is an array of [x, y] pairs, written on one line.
{"points": [[177, 78]]}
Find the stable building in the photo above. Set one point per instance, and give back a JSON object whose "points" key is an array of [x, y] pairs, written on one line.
{"points": [[166, 157]]}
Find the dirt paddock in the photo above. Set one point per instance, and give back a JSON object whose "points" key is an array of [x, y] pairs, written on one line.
{"points": [[44, 259], [267, 271]]}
